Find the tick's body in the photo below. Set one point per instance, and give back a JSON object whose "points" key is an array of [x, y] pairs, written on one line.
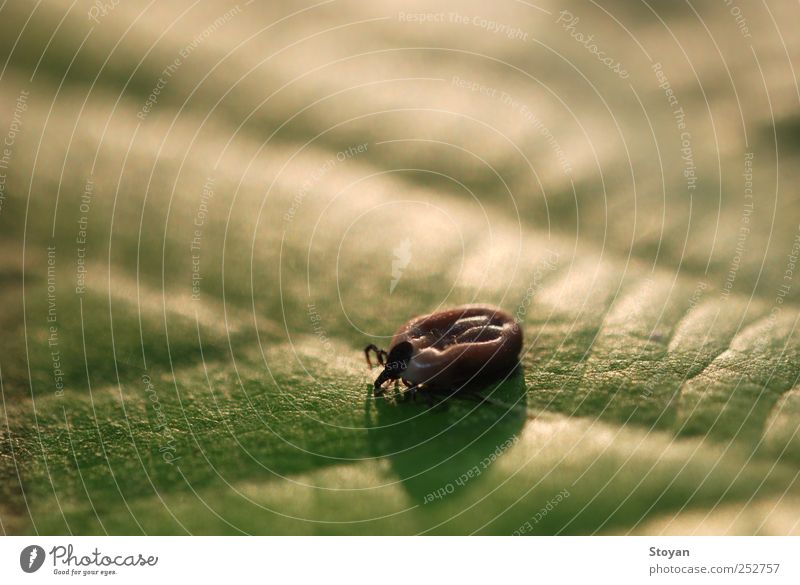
{"points": [[449, 349]]}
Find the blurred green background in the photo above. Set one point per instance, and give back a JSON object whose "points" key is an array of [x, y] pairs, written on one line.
{"points": [[208, 209]]}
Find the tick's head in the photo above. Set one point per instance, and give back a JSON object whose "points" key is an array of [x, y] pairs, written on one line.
{"points": [[396, 363], [399, 356]]}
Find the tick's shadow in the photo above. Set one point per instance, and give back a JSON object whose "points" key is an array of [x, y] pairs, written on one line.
{"points": [[437, 449]]}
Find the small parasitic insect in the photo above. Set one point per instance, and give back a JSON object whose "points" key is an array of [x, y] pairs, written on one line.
{"points": [[446, 350]]}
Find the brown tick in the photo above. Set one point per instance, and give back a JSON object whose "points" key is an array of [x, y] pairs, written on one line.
{"points": [[447, 350]]}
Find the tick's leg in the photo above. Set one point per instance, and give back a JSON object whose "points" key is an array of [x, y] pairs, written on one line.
{"points": [[380, 355], [434, 398], [410, 391], [369, 348]]}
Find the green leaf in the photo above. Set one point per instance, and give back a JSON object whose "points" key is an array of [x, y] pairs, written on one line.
{"points": [[195, 365]]}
